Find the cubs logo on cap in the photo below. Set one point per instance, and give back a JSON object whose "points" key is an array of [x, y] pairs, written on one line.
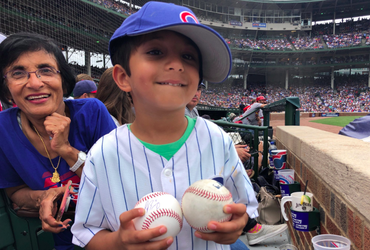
{"points": [[186, 17]]}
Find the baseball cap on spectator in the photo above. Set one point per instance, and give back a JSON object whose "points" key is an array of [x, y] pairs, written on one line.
{"points": [[84, 86], [158, 16], [260, 98]]}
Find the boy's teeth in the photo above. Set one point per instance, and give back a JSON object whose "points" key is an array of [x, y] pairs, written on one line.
{"points": [[37, 97], [171, 84]]}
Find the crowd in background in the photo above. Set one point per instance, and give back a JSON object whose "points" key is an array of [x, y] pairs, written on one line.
{"points": [[116, 6], [349, 33], [263, 44], [327, 41], [350, 94], [306, 43]]}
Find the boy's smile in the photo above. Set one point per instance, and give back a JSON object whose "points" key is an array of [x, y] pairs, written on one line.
{"points": [[164, 72], [171, 84]]}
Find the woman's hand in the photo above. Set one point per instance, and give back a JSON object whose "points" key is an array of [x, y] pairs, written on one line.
{"points": [[227, 232], [48, 208], [43, 201], [57, 127]]}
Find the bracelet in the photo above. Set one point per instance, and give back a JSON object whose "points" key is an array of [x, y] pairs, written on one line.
{"points": [[260, 152]]}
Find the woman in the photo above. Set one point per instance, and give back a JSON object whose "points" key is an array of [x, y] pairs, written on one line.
{"points": [[45, 139], [117, 102]]}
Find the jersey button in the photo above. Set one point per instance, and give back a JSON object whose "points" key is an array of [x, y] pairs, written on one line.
{"points": [[167, 172]]}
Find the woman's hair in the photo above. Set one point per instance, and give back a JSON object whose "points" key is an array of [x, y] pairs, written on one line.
{"points": [[117, 101], [16, 45]]}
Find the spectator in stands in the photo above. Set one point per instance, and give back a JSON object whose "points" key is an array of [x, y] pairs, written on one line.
{"points": [[85, 89], [43, 140], [261, 99], [254, 117], [191, 109], [117, 102]]}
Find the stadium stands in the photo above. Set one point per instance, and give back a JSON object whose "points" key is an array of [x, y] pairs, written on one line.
{"points": [[350, 95]]}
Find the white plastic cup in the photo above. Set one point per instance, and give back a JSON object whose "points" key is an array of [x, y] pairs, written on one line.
{"points": [[330, 241], [287, 247], [286, 176], [295, 198]]}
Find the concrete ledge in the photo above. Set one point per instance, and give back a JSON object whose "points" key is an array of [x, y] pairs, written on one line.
{"points": [[281, 115], [341, 162]]}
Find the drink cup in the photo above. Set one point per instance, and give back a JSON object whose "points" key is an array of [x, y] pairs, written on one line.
{"points": [[279, 158], [287, 247], [286, 176], [331, 241], [295, 198]]}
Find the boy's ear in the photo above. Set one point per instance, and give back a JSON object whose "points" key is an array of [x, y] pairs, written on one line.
{"points": [[121, 78]]}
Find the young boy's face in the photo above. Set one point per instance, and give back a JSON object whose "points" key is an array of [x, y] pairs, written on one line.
{"points": [[164, 72]]}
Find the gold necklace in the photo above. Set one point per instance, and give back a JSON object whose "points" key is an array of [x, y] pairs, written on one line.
{"points": [[55, 177]]}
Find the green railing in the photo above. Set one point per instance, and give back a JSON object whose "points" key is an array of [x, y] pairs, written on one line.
{"points": [[243, 130], [289, 105]]}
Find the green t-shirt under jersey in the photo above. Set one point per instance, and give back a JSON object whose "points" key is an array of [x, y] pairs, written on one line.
{"points": [[168, 150]]}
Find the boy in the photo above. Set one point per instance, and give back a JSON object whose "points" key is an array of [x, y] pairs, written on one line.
{"points": [[160, 56]]}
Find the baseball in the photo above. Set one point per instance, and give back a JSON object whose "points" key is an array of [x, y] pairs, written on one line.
{"points": [[160, 209], [203, 202]]}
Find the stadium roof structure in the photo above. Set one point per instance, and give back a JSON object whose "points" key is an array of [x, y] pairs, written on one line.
{"points": [[88, 27], [261, 63], [282, 1], [321, 9]]}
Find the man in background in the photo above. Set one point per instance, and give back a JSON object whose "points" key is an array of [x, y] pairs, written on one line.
{"points": [[84, 89], [262, 100], [255, 117], [190, 109]]}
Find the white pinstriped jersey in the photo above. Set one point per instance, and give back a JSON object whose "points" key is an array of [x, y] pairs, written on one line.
{"points": [[119, 170]]}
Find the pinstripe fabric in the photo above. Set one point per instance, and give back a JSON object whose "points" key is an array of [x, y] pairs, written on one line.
{"points": [[208, 152]]}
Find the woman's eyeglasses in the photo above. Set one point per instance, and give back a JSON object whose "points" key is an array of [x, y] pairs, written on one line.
{"points": [[20, 76]]}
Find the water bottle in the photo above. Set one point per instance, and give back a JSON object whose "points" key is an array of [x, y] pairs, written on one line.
{"points": [[272, 147]]}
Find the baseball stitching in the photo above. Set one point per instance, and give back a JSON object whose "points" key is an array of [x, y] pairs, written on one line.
{"points": [[150, 196], [208, 195], [161, 213], [206, 229]]}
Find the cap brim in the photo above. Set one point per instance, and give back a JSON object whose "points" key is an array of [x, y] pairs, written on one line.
{"points": [[216, 54]]}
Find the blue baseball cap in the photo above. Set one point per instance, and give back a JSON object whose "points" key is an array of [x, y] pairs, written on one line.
{"points": [[157, 16], [84, 86]]}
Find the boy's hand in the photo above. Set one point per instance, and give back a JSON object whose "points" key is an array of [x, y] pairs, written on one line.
{"points": [[227, 232], [129, 238]]}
